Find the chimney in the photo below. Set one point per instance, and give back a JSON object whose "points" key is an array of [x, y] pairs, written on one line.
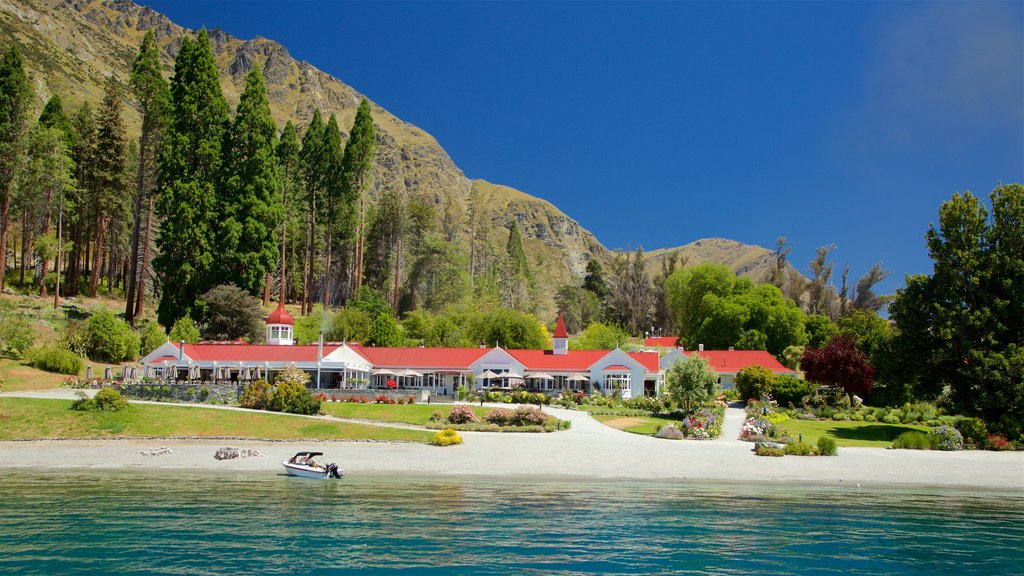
{"points": [[320, 348], [700, 347], [731, 348], [181, 350]]}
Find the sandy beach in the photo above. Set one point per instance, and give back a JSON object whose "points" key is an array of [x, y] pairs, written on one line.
{"points": [[589, 450]]}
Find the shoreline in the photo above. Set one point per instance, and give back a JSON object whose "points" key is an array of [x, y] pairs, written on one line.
{"points": [[588, 451]]}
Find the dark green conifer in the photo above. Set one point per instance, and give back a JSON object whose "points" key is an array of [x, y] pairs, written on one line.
{"points": [[357, 175], [15, 100]]}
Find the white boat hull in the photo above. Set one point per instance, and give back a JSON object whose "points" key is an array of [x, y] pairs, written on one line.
{"points": [[304, 471]]}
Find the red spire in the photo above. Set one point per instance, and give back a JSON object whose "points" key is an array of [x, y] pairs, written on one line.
{"points": [[280, 316], [560, 327]]}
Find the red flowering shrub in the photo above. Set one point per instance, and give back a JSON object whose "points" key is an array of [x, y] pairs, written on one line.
{"points": [[462, 415], [998, 442], [522, 416]]}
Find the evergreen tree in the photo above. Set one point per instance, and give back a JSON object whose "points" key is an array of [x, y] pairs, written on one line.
{"points": [[250, 205], [337, 230], [15, 101], [189, 168], [517, 287], [290, 181], [357, 175], [53, 116], [153, 98], [83, 153], [630, 298], [108, 184], [312, 156]]}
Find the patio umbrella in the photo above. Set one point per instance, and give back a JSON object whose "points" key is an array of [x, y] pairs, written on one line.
{"points": [[108, 373], [258, 374], [247, 373], [488, 374], [578, 378], [148, 371], [411, 373], [511, 374], [382, 372], [541, 376], [88, 373]]}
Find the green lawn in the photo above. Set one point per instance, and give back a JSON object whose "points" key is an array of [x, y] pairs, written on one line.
{"points": [[417, 414], [637, 424], [864, 434], [27, 418]]}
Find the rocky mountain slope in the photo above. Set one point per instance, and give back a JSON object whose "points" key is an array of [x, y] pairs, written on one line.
{"points": [[71, 46]]}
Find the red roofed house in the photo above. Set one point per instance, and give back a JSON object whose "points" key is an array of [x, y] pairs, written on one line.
{"points": [[438, 370], [661, 341], [727, 363]]}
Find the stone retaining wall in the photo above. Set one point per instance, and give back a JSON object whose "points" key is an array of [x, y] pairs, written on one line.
{"points": [[208, 393]]}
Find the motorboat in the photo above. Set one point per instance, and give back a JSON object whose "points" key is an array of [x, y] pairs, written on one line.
{"points": [[311, 465]]}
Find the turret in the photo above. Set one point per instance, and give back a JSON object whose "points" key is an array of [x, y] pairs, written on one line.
{"points": [[561, 337], [280, 327]]}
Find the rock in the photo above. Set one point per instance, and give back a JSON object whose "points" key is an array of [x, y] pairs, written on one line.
{"points": [[157, 451], [775, 445], [670, 433], [228, 453]]}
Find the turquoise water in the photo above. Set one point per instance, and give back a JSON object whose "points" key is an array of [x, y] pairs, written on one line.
{"points": [[190, 523]]}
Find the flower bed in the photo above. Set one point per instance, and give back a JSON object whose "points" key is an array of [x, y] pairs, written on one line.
{"points": [[522, 419]]}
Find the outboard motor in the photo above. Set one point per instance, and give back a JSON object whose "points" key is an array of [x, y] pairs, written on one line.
{"points": [[333, 471]]}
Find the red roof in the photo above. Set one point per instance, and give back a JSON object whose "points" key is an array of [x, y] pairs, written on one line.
{"points": [[421, 357], [661, 341], [736, 360], [575, 360], [280, 316], [615, 368], [253, 352], [163, 359], [560, 327]]}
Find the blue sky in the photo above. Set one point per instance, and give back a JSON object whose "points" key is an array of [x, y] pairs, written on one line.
{"points": [[659, 123]]}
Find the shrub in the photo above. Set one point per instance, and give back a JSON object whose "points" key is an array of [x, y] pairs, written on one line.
{"points": [[16, 336], [800, 449], [437, 416], [973, 430], [891, 417], [107, 399], [913, 441], [947, 438], [997, 442], [75, 339], [765, 451], [754, 382], [446, 437], [152, 338], [827, 446], [521, 416], [111, 339], [54, 359], [786, 389], [291, 395], [255, 395], [462, 415], [184, 329]]}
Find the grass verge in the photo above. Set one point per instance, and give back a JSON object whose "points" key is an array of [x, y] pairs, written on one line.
{"points": [[417, 414], [850, 433], [29, 418], [647, 425]]}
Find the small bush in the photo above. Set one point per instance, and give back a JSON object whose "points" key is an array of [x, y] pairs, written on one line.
{"points": [[913, 441], [997, 442], [291, 395], [800, 449], [827, 446], [462, 415], [522, 416], [16, 336], [947, 438], [152, 338], [786, 389], [891, 417], [107, 399], [54, 359], [446, 437], [437, 416], [255, 395], [754, 382], [973, 430], [765, 451]]}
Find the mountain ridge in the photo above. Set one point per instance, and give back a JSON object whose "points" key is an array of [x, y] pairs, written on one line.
{"points": [[70, 46]]}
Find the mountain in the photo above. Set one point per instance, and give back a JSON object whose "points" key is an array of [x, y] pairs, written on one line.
{"points": [[71, 46]]}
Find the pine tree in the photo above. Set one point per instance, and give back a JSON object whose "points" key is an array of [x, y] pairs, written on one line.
{"points": [[189, 168], [250, 204], [357, 175], [83, 153], [153, 98], [15, 100], [109, 182], [335, 208], [290, 183], [312, 172], [516, 280], [59, 167]]}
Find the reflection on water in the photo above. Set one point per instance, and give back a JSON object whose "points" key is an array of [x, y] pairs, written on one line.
{"points": [[187, 523]]}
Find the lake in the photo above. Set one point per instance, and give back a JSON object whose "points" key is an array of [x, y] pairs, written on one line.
{"points": [[146, 522]]}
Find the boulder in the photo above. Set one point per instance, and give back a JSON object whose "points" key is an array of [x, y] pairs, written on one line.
{"points": [[776, 445], [670, 433], [228, 453]]}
